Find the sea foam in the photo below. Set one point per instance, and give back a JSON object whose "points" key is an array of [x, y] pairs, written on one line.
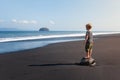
{"points": [[41, 37]]}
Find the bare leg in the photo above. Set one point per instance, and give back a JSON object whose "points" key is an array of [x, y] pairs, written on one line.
{"points": [[90, 53], [87, 54]]}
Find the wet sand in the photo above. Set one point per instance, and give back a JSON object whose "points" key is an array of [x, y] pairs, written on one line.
{"points": [[60, 61]]}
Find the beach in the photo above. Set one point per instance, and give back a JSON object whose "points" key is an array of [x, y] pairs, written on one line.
{"points": [[60, 61]]}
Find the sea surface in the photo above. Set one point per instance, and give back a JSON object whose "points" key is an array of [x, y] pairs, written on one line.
{"points": [[11, 41]]}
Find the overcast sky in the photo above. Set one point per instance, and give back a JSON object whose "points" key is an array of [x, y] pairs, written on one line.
{"points": [[60, 14]]}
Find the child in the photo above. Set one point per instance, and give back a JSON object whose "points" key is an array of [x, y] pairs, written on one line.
{"points": [[88, 41]]}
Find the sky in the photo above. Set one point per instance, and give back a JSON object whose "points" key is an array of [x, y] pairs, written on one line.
{"points": [[64, 15]]}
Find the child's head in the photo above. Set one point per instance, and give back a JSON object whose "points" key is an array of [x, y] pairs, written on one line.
{"points": [[88, 26]]}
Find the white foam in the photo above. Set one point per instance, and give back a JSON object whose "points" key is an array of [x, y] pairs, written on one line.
{"points": [[49, 37], [104, 33], [38, 37]]}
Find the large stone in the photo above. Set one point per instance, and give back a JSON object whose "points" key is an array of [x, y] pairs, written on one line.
{"points": [[43, 29], [88, 61]]}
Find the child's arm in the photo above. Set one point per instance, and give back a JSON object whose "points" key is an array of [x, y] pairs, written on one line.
{"points": [[86, 38]]}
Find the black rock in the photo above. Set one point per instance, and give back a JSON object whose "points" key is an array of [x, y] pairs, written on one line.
{"points": [[88, 61], [44, 29]]}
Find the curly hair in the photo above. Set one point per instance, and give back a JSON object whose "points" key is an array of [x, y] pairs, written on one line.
{"points": [[88, 26]]}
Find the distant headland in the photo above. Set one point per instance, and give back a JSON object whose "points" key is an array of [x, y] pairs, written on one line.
{"points": [[44, 29]]}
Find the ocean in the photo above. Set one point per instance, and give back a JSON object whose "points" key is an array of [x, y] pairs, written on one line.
{"points": [[11, 41]]}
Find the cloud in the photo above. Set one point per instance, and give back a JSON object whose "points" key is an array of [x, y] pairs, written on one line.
{"points": [[14, 20], [24, 21], [1, 20], [52, 22], [34, 22]]}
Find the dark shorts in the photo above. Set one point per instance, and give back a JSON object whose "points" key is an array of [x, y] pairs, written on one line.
{"points": [[88, 46]]}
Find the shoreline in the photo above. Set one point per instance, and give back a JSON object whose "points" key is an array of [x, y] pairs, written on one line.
{"points": [[58, 61], [97, 36]]}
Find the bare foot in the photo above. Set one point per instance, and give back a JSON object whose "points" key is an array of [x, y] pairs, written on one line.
{"points": [[86, 57]]}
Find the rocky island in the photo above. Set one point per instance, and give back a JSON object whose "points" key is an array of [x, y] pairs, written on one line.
{"points": [[43, 29]]}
